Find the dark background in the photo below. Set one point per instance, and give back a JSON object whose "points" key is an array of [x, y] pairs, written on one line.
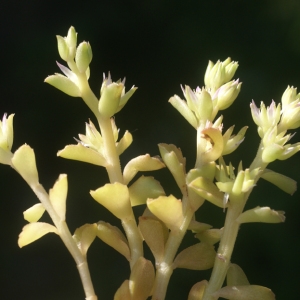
{"points": [[157, 45]]}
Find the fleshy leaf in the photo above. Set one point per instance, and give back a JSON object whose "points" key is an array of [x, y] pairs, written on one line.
{"points": [[261, 214], [124, 143], [153, 233], [64, 84], [208, 190], [115, 197], [245, 292], [34, 213], [183, 108], [58, 196], [197, 290], [144, 188], [33, 231], [236, 276], [141, 279], [214, 144], [210, 236], [285, 183], [196, 226], [123, 292], [24, 162], [141, 163], [82, 153], [200, 256], [175, 162], [113, 236], [168, 209], [84, 236]]}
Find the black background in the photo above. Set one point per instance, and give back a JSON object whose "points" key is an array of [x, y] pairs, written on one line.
{"points": [[157, 45]]}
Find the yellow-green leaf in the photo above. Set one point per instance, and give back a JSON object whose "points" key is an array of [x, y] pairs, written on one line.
{"points": [[143, 188], [168, 209], [245, 292], [200, 256], [113, 236], [197, 290], [141, 279], [82, 153], [64, 84], [84, 236], [58, 196], [141, 163], [115, 197], [34, 213], [33, 231], [24, 162]]}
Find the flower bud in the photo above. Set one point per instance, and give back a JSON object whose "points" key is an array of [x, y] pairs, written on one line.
{"points": [[227, 93], [63, 48], [219, 73], [110, 98], [6, 132], [71, 41], [289, 95], [83, 56]]}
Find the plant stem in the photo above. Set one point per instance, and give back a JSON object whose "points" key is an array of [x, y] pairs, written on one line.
{"points": [[225, 250], [69, 242], [135, 240], [110, 151], [165, 269]]}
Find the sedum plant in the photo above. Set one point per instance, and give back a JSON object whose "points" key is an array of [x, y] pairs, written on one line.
{"points": [[166, 219]]}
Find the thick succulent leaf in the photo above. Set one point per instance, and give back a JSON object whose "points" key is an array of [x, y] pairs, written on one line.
{"points": [[207, 171], [82, 153], [215, 139], [196, 226], [34, 213], [113, 236], [261, 214], [168, 210], [200, 256], [153, 233], [141, 279], [197, 290], [115, 197], [123, 292], [124, 143], [175, 162], [183, 108], [210, 236], [84, 236], [24, 162], [245, 292], [285, 183], [141, 163], [33, 231], [208, 190], [58, 196], [144, 188], [64, 84], [236, 276]]}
